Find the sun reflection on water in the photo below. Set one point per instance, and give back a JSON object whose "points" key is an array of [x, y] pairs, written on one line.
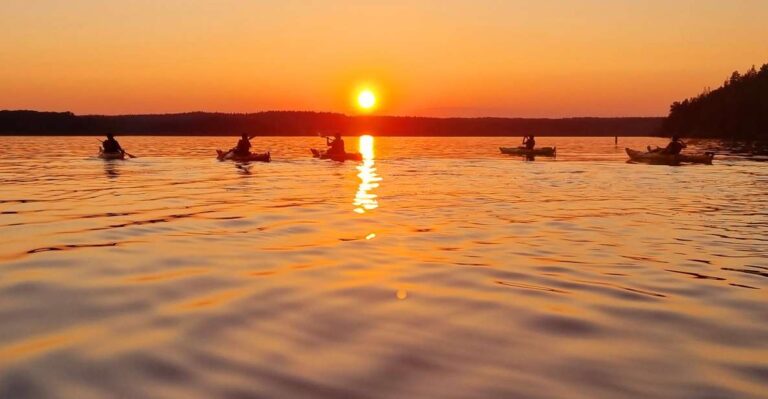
{"points": [[365, 200]]}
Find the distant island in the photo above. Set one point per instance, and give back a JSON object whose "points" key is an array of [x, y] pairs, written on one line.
{"points": [[298, 123], [738, 109]]}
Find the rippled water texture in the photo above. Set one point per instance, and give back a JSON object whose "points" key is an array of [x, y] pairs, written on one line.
{"points": [[439, 269]]}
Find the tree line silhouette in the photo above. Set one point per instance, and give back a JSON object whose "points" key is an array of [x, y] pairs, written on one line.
{"points": [[736, 110], [299, 123]]}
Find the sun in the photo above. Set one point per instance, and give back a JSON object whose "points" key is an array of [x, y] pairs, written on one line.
{"points": [[366, 99]]}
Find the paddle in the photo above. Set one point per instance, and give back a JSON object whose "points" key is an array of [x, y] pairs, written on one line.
{"points": [[319, 153], [326, 139], [323, 137]]}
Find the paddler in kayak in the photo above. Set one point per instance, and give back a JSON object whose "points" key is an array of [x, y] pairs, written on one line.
{"points": [[336, 146], [673, 148], [111, 146], [529, 142], [243, 147]]}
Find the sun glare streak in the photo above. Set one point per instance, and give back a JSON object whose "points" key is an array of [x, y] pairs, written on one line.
{"points": [[365, 146], [365, 200]]}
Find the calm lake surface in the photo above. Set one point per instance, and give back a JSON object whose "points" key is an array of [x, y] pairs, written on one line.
{"points": [[438, 269]]}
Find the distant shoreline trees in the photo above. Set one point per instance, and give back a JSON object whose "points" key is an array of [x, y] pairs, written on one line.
{"points": [[736, 110], [299, 123]]}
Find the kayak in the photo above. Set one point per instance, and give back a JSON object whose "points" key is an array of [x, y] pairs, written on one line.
{"points": [[348, 156], [253, 157], [543, 151], [659, 158], [111, 155]]}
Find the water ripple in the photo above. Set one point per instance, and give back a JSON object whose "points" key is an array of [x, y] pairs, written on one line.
{"points": [[441, 269]]}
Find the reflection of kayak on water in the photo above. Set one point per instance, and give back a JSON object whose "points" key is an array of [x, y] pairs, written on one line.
{"points": [[543, 151], [660, 158], [111, 155], [348, 156], [253, 157]]}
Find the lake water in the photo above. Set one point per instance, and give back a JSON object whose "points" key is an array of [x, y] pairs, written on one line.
{"points": [[437, 269]]}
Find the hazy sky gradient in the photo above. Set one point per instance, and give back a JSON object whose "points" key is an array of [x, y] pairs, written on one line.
{"points": [[433, 58]]}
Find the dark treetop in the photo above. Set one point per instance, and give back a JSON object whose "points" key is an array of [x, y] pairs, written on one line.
{"points": [[738, 109]]}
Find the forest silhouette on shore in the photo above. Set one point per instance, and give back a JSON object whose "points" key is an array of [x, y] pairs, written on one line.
{"points": [[736, 110], [304, 123]]}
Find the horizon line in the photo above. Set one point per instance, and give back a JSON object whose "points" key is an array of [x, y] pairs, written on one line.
{"points": [[341, 114]]}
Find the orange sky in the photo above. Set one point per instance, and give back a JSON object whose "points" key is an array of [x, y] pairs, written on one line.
{"points": [[430, 58]]}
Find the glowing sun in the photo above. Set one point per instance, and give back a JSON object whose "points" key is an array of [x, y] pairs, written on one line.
{"points": [[366, 99]]}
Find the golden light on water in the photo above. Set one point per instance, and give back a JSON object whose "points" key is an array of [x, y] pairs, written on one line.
{"points": [[365, 146], [365, 199]]}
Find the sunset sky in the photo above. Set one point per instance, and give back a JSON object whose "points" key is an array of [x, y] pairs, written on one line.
{"points": [[429, 58]]}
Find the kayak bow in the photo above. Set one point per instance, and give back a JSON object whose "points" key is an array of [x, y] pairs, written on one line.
{"points": [[111, 155], [659, 158], [543, 151], [348, 156], [253, 157]]}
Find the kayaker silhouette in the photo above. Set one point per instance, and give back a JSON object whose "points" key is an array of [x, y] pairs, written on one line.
{"points": [[111, 146], [674, 147], [529, 142], [337, 145], [243, 147]]}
